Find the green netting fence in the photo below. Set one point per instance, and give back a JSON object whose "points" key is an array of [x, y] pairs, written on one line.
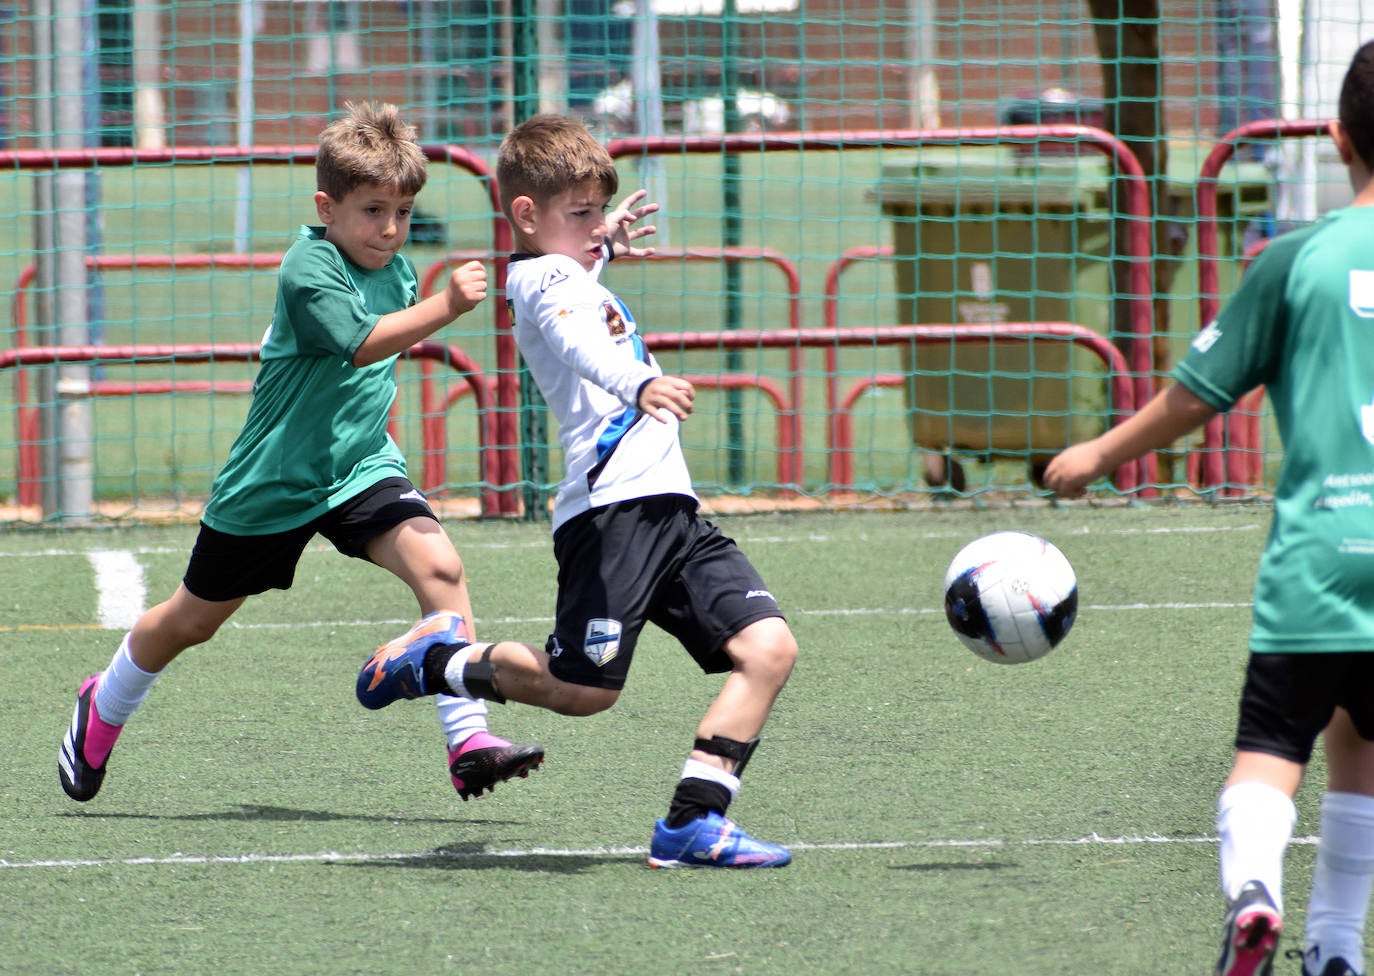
{"points": [[907, 250]]}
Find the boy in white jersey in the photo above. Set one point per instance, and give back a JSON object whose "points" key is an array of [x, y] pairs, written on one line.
{"points": [[1301, 324], [630, 545], [314, 456]]}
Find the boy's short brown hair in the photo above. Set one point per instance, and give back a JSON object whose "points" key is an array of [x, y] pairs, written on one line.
{"points": [[372, 145], [549, 154], [1357, 103]]}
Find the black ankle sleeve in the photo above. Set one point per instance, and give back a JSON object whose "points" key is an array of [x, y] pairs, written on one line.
{"points": [[696, 798], [436, 660]]}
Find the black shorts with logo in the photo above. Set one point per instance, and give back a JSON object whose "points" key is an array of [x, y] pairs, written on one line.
{"points": [[648, 560], [1289, 698], [226, 567]]}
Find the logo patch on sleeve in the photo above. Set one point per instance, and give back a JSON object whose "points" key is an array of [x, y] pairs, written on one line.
{"points": [[553, 277], [615, 322], [602, 641]]}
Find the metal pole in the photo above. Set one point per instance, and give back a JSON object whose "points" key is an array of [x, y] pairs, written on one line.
{"points": [[243, 217], [646, 84], [923, 91], [149, 113], [733, 233], [70, 409], [534, 434], [44, 236]]}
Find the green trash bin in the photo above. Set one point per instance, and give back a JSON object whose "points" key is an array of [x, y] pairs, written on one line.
{"points": [[992, 234]]}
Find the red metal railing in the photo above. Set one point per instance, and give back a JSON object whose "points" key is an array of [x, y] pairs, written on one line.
{"points": [[789, 407], [29, 435], [244, 352], [1138, 244], [502, 466], [839, 411], [1118, 377], [499, 431], [1230, 443], [434, 434], [841, 446]]}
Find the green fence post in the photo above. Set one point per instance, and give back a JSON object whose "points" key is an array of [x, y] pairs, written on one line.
{"points": [[534, 450], [730, 165]]}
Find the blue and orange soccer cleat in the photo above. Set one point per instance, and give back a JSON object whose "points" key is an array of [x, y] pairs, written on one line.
{"points": [[397, 670], [712, 841]]}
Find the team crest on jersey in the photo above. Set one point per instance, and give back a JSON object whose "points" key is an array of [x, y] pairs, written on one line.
{"points": [[615, 322], [553, 277], [1367, 421], [602, 641], [1362, 293]]}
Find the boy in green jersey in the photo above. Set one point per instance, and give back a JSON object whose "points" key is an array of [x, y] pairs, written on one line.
{"points": [[314, 456], [1301, 324]]}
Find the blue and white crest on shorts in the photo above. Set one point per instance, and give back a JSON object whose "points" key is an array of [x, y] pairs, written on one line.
{"points": [[602, 641]]}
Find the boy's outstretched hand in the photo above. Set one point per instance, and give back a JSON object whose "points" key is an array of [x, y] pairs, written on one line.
{"points": [[664, 395], [619, 233], [1070, 472], [467, 287]]}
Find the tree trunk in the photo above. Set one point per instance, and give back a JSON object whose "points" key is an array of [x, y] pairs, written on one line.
{"points": [[1132, 81]]}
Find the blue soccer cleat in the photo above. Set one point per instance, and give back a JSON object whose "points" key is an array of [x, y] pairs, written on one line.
{"points": [[397, 670], [712, 841], [1335, 966]]}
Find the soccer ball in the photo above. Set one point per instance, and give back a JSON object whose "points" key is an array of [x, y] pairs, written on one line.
{"points": [[1011, 597]]}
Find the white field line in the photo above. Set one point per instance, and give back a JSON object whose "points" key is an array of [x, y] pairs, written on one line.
{"points": [[122, 591], [336, 857], [487, 622], [744, 538]]}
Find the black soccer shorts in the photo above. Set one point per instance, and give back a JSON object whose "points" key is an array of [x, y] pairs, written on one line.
{"points": [[226, 567], [1289, 698], [648, 560]]}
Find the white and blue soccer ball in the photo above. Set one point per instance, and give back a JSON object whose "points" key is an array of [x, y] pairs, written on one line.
{"points": [[1011, 597]]}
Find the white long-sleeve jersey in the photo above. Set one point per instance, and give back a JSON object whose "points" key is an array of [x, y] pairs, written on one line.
{"points": [[589, 362]]}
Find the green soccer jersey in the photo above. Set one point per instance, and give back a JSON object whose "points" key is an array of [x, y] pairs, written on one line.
{"points": [[316, 432], [1302, 324]]}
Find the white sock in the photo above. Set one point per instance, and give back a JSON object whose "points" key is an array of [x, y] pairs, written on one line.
{"points": [[1255, 821], [122, 687], [461, 718], [1341, 882], [696, 769]]}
